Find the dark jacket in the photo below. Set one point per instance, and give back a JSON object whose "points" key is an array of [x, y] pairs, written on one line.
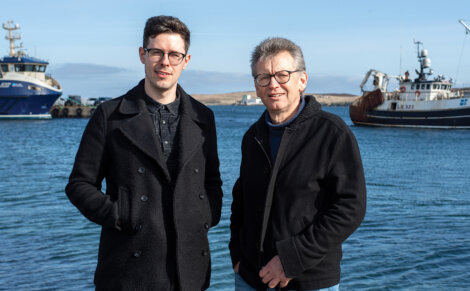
{"points": [[141, 224], [319, 199]]}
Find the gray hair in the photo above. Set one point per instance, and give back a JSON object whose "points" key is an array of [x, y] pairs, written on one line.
{"points": [[271, 47]]}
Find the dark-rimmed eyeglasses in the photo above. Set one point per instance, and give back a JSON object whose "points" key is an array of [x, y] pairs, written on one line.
{"points": [[281, 77], [156, 55]]}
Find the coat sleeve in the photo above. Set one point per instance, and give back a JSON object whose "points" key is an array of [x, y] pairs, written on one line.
{"points": [[236, 218], [84, 186], [236, 223], [346, 188], [213, 182]]}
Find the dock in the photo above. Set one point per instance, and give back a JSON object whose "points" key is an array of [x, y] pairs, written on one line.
{"points": [[72, 111]]}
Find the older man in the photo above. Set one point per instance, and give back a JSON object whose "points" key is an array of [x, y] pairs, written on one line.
{"points": [[301, 190], [157, 149]]}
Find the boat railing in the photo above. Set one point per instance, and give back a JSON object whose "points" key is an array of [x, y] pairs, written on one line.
{"points": [[52, 82]]}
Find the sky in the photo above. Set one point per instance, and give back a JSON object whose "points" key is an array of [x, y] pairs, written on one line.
{"points": [[92, 46]]}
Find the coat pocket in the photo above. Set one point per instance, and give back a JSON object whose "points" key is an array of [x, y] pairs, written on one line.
{"points": [[124, 209]]}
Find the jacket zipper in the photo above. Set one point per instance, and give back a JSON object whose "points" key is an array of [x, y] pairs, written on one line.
{"points": [[265, 153]]}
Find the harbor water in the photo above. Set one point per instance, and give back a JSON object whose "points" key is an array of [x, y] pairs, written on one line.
{"points": [[415, 236]]}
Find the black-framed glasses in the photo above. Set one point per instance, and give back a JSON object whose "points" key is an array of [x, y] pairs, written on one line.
{"points": [[156, 55], [281, 77]]}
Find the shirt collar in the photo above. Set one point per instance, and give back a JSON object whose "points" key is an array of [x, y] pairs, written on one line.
{"points": [[172, 107]]}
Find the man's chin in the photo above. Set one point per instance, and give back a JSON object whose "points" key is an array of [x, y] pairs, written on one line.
{"points": [[162, 85]]}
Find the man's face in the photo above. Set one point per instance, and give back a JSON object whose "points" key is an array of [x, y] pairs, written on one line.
{"points": [[281, 98], [161, 76]]}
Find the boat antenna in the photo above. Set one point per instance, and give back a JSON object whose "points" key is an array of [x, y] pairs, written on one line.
{"points": [[399, 72], [421, 72]]}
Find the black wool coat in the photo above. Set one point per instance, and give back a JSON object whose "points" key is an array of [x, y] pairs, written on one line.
{"points": [[319, 199], [153, 228]]}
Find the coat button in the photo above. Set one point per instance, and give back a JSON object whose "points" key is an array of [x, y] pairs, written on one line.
{"points": [[144, 198], [206, 225], [204, 253], [138, 227], [141, 170], [137, 254], [196, 170], [201, 196]]}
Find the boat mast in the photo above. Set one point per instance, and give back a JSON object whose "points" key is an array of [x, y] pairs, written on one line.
{"points": [[10, 27], [467, 29], [424, 62]]}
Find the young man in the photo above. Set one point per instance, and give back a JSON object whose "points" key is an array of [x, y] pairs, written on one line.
{"points": [[301, 190], [156, 148]]}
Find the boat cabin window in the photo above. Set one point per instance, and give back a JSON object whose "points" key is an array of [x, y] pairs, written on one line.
{"points": [[413, 87], [434, 86], [444, 87], [428, 86], [29, 68], [423, 86], [4, 68], [20, 68]]}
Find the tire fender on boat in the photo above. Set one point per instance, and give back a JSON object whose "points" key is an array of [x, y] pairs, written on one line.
{"points": [[402, 89], [417, 93]]}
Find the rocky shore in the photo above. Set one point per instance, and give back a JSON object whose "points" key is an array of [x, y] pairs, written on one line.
{"points": [[235, 97]]}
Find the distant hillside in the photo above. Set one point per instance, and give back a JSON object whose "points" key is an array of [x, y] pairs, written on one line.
{"points": [[330, 99]]}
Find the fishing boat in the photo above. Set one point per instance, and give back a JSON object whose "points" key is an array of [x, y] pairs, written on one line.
{"points": [[422, 102], [26, 91]]}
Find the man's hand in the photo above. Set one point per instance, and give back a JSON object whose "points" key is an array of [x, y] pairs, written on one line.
{"points": [[273, 273], [235, 269]]}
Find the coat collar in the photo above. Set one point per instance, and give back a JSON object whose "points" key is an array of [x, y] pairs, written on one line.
{"points": [[140, 130], [134, 103], [261, 130]]}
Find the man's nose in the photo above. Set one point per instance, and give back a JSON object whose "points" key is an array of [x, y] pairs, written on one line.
{"points": [[273, 82], [165, 59]]}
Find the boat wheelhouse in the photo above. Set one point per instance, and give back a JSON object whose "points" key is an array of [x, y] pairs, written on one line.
{"points": [[26, 91]]}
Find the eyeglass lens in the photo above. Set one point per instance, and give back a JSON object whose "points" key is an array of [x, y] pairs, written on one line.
{"points": [[281, 77], [174, 57]]}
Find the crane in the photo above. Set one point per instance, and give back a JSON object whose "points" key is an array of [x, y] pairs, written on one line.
{"points": [[467, 29]]}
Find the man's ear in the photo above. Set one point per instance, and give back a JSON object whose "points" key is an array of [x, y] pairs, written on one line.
{"points": [[303, 81], [186, 61], [142, 55]]}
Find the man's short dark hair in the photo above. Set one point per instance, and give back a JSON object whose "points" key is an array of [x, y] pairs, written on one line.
{"points": [[166, 24], [271, 47]]}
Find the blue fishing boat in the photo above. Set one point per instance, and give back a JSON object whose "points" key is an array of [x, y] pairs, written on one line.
{"points": [[26, 91]]}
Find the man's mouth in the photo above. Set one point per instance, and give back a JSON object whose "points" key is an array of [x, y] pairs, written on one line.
{"points": [[162, 73], [274, 95]]}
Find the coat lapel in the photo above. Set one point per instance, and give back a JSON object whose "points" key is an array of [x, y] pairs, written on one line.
{"points": [[190, 133], [139, 128]]}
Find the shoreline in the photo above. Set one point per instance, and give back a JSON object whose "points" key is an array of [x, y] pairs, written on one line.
{"points": [[234, 98]]}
